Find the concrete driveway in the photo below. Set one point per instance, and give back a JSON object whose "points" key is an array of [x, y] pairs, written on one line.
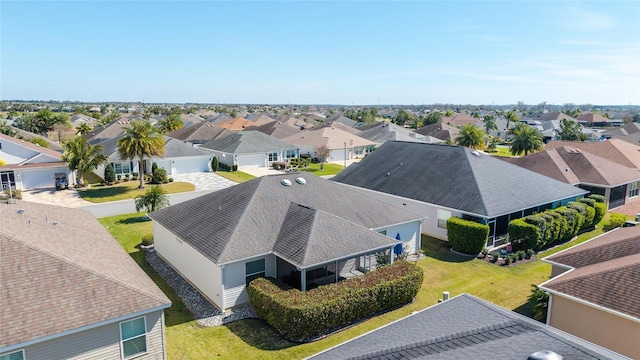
{"points": [[67, 198]]}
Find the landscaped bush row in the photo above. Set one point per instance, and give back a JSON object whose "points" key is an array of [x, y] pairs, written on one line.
{"points": [[302, 316], [467, 236], [539, 230], [225, 167]]}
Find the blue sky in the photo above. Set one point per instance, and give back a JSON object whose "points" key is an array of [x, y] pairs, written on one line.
{"points": [[385, 52]]}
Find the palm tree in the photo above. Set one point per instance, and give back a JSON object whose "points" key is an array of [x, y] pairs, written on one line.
{"points": [[526, 140], [170, 123], [155, 198], [139, 140], [83, 128], [511, 116], [489, 123], [471, 137], [82, 156]]}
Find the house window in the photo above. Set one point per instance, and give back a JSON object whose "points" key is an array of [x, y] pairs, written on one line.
{"points": [[7, 179], [273, 156], [122, 168], [443, 216], [16, 355], [254, 270], [633, 189], [133, 337], [291, 154], [358, 150]]}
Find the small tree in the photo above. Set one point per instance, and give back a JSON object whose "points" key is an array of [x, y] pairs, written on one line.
{"points": [[322, 152], [215, 164], [158, 175], [539, 301], [109, 174], [155, 198]]}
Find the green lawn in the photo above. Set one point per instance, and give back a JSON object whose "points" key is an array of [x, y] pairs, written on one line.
{"points": [[127, 190], [508, 287], [329, 169], [236, 176], [502, 151]]}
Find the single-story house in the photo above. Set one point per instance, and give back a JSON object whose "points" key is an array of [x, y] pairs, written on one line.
{"points": [[382, 132], [459, 120], [250, 149], [199, 133], [237, 124], [594, 292], [617, 183], [466, 327], [29, 166], [342, 144], [440, 131], [302, 229], [441, 181], [277, 129], [68, 290], [594, 119], [178, 158]]}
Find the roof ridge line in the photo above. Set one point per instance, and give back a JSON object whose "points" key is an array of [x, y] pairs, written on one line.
{"points": [[84, 268], [475, 179]]}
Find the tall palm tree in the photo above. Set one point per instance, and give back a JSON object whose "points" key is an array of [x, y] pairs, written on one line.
{"points": [[82, 156], [139, 140], [471, 137], [526, 140], [511, 116], [489, 123], [170, 123]]}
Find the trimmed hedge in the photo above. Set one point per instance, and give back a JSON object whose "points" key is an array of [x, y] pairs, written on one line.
{"points": [[599, 198], [615, 220], [302, 316], [588, 213], [574, 221], [467, 236], [523, 235]]}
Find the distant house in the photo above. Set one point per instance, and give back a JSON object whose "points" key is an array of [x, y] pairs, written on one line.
{"points": [[616, 150], [440, 131], [250, 148], [199, 133], [622, 131], [597, 120], [342, 145], [69, 291], [618, 184], [301, 229], [237, 124], [382, 132], [466, 327], [441, 181], [107, 132], [29, 166], [458, 120], [594, 292], [277, 129]]}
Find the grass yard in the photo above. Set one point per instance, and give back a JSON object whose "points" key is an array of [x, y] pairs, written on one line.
{"points": [[502, 151], [127, 190], [508, 287], [329, 169], [236, 176]]}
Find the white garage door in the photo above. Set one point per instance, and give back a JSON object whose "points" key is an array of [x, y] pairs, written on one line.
{"points": [[256, 160], [187, 165], [41, 178], [337, 155]]}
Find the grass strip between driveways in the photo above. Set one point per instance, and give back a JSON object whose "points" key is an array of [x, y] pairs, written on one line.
{"points": [[236, 176], [444, 270], [127, 190]]}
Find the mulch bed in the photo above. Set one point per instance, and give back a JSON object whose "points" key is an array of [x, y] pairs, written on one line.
{"points": [[500, 262]]}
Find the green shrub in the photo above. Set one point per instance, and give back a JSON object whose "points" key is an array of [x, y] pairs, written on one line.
{"points": [[467, 236], [495, 256], [234, 167], [588, 213], [561, 226], [158, 175], [529, 254], [14, 194], [615, 220], [588, 201], [520, 254], [135, 176], [523, 235], [109, 173], [540, 222], [215, 165], [601, 211], [574, 221], [147, 239], [507, 260], [599, 198], [302, 316]]}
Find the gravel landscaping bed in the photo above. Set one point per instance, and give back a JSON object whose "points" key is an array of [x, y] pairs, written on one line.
{"points": [[205, 313]]}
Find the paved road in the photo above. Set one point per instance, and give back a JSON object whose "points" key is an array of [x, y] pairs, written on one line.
{"points": [[128, 206]]}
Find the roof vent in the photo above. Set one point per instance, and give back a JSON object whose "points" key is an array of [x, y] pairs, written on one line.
{"points": [[475, 153], [285, 182], [301, 180], [544, 355], [55, 223], [20, 211]]}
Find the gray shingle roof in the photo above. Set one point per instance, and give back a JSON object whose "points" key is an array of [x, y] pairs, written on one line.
{"points": [[453, 177], [464, 327], [78, 275], [261, 216], [247, 142], [172, 148], [200, 133]]}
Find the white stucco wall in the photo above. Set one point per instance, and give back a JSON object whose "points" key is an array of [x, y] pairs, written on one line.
{"points": [[193, 266]]}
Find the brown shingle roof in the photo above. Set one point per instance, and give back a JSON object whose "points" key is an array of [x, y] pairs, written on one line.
{"points": [[57, 278], [622, 152], [606, 271]]}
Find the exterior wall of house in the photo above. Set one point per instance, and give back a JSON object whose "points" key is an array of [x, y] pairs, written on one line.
{"points": [[599, 327], [409, 233], [100, 343], [224, 158], [33, 178], [235, 277], [201, 272]]}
